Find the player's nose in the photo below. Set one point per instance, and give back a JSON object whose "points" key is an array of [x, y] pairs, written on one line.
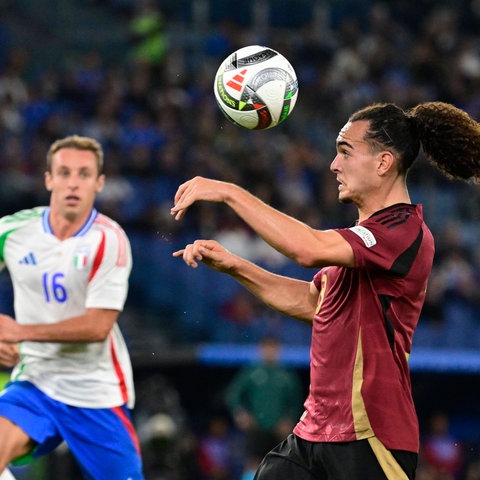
{"points": [[335, 165]]}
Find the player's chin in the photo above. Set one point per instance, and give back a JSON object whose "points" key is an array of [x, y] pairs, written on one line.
{"points": [[71, 212], [343, 197]]}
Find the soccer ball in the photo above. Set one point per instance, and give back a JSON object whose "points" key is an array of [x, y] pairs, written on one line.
{"points": [[256, 87]]}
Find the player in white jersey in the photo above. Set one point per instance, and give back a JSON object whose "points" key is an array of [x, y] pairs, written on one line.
{"points": [[72, 378], [7, 475]]}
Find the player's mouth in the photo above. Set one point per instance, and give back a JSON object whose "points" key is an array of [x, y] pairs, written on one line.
{"points": [[72, 199]]}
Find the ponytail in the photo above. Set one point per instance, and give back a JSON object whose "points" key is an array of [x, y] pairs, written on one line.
{"points": [[450, 138]]}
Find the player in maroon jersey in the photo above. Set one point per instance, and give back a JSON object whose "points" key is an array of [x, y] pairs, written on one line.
{"points": [[365, 301]]}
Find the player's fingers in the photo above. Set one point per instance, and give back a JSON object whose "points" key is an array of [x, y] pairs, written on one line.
{"points": [[213, 256], [191, 255], [180, 190], [208, 244], [178, 214], [207, 251]]}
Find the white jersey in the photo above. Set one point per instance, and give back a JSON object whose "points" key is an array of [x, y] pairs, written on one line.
{"points": [[55, 280]]}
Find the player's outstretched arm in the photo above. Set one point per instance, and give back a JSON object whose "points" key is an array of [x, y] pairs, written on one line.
{"points": [[296, 240], [292, 297], [93, 326]]}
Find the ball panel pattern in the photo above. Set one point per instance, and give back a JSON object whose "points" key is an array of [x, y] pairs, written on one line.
{"points": [[256, 87]]}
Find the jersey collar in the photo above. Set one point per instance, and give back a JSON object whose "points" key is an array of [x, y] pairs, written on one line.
{"points": [[86, 226]]}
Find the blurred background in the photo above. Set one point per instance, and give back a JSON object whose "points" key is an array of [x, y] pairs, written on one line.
{"points": [[138, 76]]}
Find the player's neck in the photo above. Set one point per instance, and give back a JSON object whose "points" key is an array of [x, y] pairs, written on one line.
{"points": [[393, 197], [65, 226]]}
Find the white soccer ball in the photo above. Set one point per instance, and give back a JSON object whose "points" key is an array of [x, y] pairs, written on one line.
{"points": [[256, 87]]}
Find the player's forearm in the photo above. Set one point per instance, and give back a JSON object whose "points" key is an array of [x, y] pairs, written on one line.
{"points": [[293, 238], [67, 331], [286, 295], [84, 328]]}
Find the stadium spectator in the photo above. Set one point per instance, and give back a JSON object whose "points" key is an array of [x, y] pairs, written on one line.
{"points": [[441, 452], [265, 400], [217, 450]]}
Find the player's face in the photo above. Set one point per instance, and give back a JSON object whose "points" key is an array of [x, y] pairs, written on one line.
{"points": [[355, 164], [73, 182]]}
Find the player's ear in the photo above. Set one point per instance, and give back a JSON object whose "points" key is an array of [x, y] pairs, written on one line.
{"points": [[100, 182], [386, 161], [48, 181]]}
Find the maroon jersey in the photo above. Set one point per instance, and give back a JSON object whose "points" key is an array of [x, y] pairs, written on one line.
{"points": [[362, 333]]}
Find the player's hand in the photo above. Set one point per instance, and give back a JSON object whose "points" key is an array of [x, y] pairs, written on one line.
{"points": [[9, 329], [9, 354], [209, 252], [198, 188]]}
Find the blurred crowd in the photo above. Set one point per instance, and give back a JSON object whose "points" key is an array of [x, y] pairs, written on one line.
{"points": [[155, 114]]}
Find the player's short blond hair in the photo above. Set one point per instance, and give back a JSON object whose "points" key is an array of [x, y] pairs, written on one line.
{"points": [[77, 142]]}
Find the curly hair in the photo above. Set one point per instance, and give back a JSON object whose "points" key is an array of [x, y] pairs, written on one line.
{"points": [[449, 137]]}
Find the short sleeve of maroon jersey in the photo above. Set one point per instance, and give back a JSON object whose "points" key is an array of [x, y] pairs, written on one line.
{"points": [[388, 240], [317, 280]]}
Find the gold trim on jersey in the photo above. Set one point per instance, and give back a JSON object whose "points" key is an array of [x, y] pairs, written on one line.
{"points": [[390, 466], [321, 295], [361, 423], [363, 429]]}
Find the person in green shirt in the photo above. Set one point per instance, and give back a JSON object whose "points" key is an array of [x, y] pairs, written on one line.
{"points": [[265, 400], [149, 42]]}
